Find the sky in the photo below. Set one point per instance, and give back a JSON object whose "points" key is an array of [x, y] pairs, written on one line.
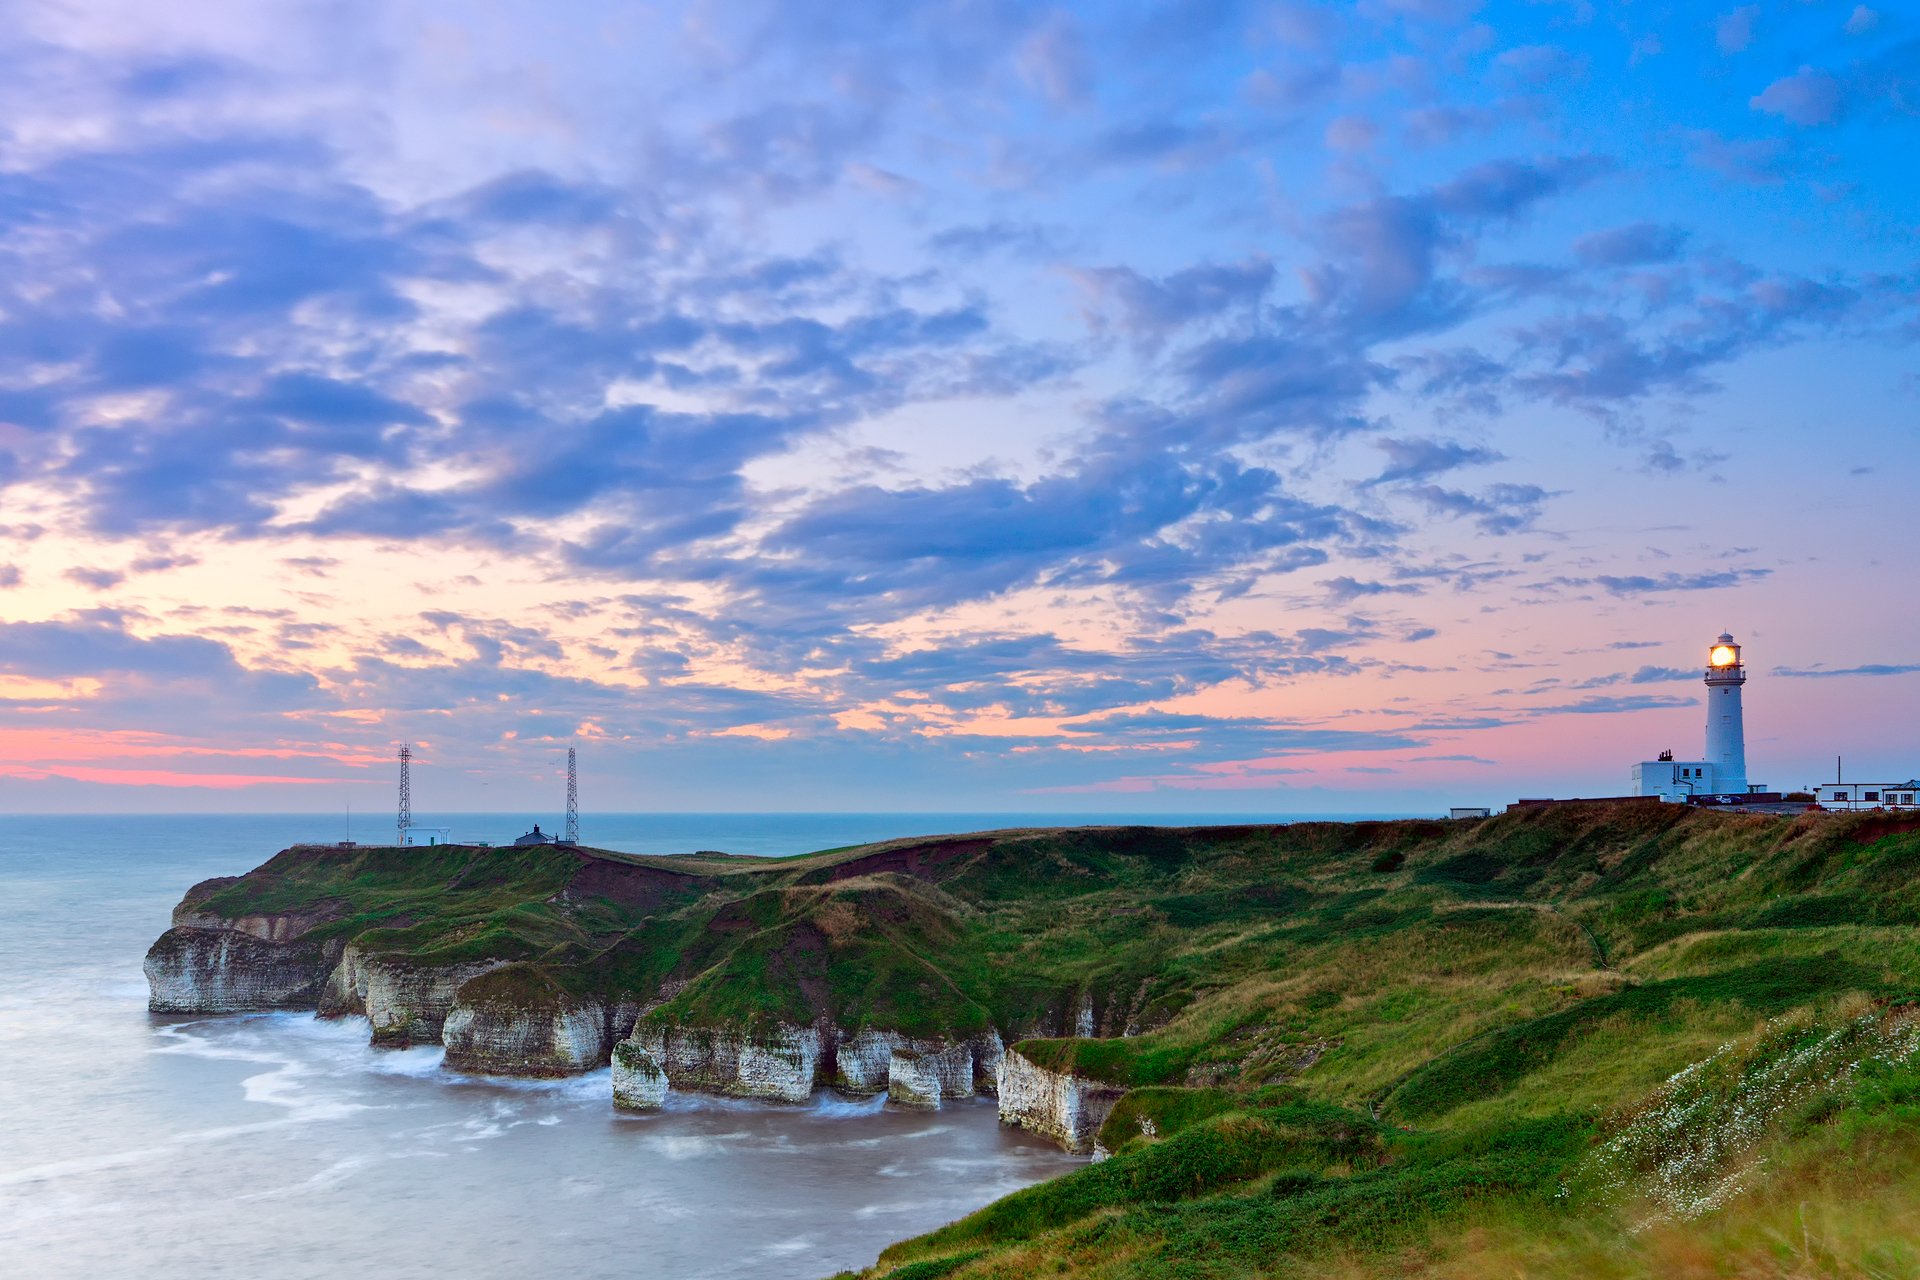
{"points": [[967, 405]]}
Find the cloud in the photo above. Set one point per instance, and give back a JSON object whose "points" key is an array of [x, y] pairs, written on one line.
{"points": [[1454, 723], [1053, 58], [1538, 66], [971, 374], [1734, 30], [1610, 705], [95, 579], [1345, 590], [977, 240], [1500, 509], [1597, 359], [1421, 459], [1149, 311], [1641, 584], [1753, 161], [1638, 244], [1866, 669], [1808, 97], [1381, 274], [146, 678], [1272, 737], [1147, 520]]}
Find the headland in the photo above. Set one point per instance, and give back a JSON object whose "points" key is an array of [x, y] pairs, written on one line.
{"points": [[1291, 1039]]}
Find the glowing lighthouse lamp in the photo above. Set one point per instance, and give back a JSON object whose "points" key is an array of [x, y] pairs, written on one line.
{"points": [[1723, 770]]}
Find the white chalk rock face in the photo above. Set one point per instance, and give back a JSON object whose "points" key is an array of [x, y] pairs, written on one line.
{"points": [[989, 1058], [408, 1002], [345, 992], [517, 1021], [638, 1082], [922, 1072], [1053, 1104], [780, 1065], [783, 1066], [192, 970], [915, 1071], [863, 1061]]}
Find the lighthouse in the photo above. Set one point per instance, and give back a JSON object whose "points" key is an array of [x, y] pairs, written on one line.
{"points": [[1722, 770], [1726, 732]]}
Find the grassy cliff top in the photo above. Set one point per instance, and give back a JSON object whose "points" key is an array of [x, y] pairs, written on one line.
{"points": [[1338, 1038], [1206, 938]]}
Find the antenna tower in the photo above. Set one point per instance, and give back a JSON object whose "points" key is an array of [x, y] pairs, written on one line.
{"points": [[573, 799], [406, 790]]}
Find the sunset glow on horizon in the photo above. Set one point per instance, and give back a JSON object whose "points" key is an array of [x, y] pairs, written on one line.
{"points": [[1265, 407]]}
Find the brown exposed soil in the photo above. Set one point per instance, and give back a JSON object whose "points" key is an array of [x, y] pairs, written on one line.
{"points": [[632, 885], [917, 860]]}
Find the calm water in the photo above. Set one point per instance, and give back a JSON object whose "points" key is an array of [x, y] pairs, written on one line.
{"points": [[274, 1144]]}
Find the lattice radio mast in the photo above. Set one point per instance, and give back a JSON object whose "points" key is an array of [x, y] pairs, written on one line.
{"points": [[573, 799], [406, 790]]}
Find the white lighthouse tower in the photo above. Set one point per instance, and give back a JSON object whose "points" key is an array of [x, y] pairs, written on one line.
{"points": [[1726, 731], [1722, 771]]}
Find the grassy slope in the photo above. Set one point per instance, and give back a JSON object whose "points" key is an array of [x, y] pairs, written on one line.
{"points": [[1351, 1033], [1495, 1007]]}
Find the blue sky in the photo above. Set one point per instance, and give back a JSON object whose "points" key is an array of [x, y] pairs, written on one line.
{"points": [[1261, 407]]}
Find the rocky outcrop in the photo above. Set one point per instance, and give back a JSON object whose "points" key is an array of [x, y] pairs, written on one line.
{"points": [[638, 1082], [199, 970], [1054, 1104], [781, 1065], [916, 1071], [408, 1002], [518, 1021], [790, 1062], [345, 992], [920, 1077]]}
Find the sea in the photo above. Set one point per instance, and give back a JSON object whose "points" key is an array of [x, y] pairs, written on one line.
{"points": [[140, 1145]]}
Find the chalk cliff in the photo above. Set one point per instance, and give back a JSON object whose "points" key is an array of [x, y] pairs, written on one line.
{"points": [[194, 970], [638, 1082], [788, 1062], [1058, 1105], [893, 969], [517, 1020], [780, 1064]]}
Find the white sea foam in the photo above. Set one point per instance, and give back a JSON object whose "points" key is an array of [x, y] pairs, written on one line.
{"points": [[331, 1176], [879, 1209], [787, 1248], [827, 1103]]}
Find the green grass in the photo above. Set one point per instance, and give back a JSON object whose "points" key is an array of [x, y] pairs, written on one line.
{"points": [[1337, 1038]]}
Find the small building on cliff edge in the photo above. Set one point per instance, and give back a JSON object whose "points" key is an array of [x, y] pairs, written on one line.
{"points": [[1848, 796]]}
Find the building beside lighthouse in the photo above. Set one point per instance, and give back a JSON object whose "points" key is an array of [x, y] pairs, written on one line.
{"points": [[1722, 769]]}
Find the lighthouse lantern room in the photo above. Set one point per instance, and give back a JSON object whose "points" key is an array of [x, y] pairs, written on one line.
{"points": [[1723, 770]]}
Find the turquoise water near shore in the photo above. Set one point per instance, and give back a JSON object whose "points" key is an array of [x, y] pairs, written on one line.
{"points": [[276, 1144]]}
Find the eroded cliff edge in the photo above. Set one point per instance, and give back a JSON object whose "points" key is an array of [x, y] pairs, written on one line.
{"points": [[1055, 968], [868, 972]]}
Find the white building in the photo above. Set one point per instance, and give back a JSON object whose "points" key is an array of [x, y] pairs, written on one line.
{"points": [[1723, 770], [422, 837], [1672, 779], [1847, 796]]}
